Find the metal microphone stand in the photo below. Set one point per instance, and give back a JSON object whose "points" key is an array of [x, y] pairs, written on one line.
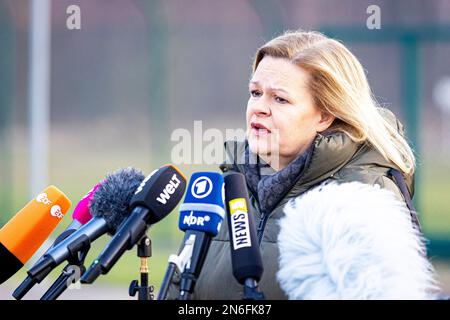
{"points": [[65, 279], [145, 292], [176, 263]]}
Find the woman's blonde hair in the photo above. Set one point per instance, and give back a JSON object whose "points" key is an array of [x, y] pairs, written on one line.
{"points": [[339, 86]]}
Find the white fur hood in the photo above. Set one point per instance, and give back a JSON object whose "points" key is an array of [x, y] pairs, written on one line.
{"points": [[351, 241]]}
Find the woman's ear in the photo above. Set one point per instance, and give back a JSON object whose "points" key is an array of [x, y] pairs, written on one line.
{"points": [[326, 119]]}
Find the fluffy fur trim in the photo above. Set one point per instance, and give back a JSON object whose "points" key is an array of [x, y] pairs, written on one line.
{"points": [[351, 241]]}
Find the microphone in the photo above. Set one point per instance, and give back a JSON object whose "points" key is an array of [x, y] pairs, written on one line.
{"points": [[352, 241], [245, 252], [109, 208], [81, 215], [29, 228], [201, 215], [155, 198]]}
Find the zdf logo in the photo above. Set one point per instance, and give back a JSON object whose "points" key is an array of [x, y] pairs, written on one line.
{"points": [[43, 198], [201, 187], [56, 212]]}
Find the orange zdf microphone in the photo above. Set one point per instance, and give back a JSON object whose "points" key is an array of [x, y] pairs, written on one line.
{"points": [[22, 236]]}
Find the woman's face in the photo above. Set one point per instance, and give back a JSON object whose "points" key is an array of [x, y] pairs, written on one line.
{"points": [[282, 119]]}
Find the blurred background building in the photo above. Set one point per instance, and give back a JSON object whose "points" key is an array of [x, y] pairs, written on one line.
{"points": [[137, 70]]}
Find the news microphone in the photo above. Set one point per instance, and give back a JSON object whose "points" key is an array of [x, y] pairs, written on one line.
{"points": [[245, 252], [352, 241], [81, 215], [22, 236], [109, 208], [155, 198], [201, 215]]}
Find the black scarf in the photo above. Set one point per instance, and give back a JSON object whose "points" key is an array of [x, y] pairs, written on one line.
{"points": [[268, 185]]}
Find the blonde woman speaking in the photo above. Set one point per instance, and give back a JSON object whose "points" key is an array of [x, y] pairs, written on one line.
{"points": [[330, 179]]}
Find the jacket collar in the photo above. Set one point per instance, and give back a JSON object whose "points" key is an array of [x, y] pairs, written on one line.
{"points": [[326, 155], [329, 153]]}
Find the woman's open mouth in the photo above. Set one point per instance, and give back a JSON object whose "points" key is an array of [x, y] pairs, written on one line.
{"points": [[258, 129]]}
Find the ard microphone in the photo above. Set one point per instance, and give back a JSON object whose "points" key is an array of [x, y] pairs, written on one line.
{"points": [[81, 215], [109, 208], [29, 228], [155, 198], [245, 252], [201, 215]]}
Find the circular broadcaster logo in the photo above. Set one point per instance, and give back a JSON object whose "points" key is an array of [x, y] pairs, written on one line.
{"points": [[201, 187]]}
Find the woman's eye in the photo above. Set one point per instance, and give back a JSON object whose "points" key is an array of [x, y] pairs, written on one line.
{"points": [[281, 100], [255, 93]]}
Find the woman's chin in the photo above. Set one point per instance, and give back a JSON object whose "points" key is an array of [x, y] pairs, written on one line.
{"points": [[258, 147]]}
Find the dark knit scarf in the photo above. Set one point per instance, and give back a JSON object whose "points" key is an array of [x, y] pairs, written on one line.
{"points": [[268, 185]]}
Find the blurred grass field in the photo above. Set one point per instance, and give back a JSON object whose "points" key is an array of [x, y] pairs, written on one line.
{"points": [[435, 198], [88, 166]]}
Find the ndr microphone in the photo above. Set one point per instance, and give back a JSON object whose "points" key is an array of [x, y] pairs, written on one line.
{"points": [[109, 208], [245, 252], [153, 200], [80, 216], [29, 228], [201, 215]]}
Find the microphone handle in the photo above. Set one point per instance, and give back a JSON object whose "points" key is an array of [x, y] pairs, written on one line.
{"points": [[65, 234], [251, 290], [91, 230], [129, 233], [190, 275], [29, 282], [162, 294], [24, 287], [62, 282], [57, 288]]}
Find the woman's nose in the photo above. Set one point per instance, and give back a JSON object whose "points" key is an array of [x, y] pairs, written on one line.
{"points": [[261, 108]]}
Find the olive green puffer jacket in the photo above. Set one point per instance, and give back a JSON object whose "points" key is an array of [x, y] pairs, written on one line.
{"points": [[335, 157]]}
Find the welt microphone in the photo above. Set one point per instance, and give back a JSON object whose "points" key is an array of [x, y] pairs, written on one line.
{"points": [[201, 215], [153, 200], [80, 216], [109, 208], [29, 228], [245, 252]]}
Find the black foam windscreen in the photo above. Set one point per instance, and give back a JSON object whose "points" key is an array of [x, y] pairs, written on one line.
{"points": [[160, 192], [112, 198], [245, 252]]}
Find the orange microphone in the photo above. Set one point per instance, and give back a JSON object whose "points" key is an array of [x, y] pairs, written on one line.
{"points": [[22, 236]]}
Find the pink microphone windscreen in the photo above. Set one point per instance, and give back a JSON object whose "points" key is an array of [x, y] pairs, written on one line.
{"points": [[81, 212]]}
